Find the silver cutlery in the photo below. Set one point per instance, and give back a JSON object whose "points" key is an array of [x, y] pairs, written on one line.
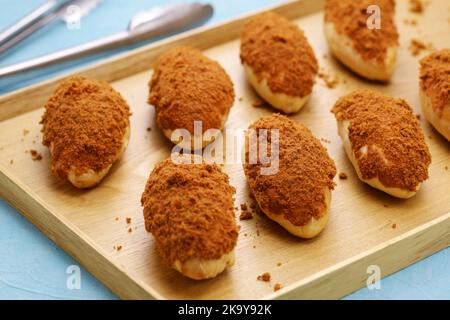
{"points": [[44, 15], [146, 24]]}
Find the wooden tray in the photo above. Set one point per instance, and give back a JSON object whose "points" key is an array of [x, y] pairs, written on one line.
{"points": [[366, 227]]}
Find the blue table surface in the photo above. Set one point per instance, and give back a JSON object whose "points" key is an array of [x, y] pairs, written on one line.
{"points": [[33, 267]]}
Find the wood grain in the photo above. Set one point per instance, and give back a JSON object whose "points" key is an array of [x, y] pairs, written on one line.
{"points": [[366, 226]]}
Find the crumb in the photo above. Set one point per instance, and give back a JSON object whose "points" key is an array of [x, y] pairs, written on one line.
{"points": [[241, 99], [25, 132], [415, 6], [257, 232], [21, 140], [276, 287], [264, 277], [245, 215], [325, 56], [254, 247], [258, 104], [128, 220], [36, 156], [385, 205], [279, 264], [330, 81], [325, 140], [244, 206], [418, 116], [34, 141], [446, 168], [11, 161], [149, 129], [417, 46], [252, 206], [343, 175], [430, 137], [130, 230], [394, 225], [116, 218], [245, 234], [118, 248]]}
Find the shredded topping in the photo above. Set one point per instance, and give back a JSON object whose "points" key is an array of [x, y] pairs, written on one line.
{"points": [[278, 51], [386, 138], [435, 79], [305, 171], [187, 86], [85, 121], [189, 210], [349, 17]]}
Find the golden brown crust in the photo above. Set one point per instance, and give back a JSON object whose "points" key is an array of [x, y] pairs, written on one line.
{"points": [[189, 210], [305, 170], [350, 18], [186, 86], [396, 150], [278, 51], [85, 121], [435, 79]]}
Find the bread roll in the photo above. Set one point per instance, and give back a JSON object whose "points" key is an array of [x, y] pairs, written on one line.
{"points": [[435, 90], [189, 210], [86, 126], [298, 194], [278, 60], [384, 142], [371, 53], [186, 86]]}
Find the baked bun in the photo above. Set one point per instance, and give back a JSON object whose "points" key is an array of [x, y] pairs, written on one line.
{"points": [[435, 90], [297, 194], [186, 86], [278, 60], [384, 142], [189, 210], [371, 53], [86, 126]]}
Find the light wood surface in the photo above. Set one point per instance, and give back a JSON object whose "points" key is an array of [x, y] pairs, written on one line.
{"points": [[366, 227]]}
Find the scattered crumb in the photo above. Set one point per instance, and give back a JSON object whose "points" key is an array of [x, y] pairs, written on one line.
{"points": [[254, 247], [325, 56], [385, 205], [128, 220], [241, 99], [430, 137], [257, 232], [149, 129], [118, 248], [276, 287], [36, 156], [11, 161], [279, 264], [325, 140], [415, 6], [34, 141], [130, 230], [417, 46], [330, 81], [343, 176], [418, 116], [264, 277], [446, 167], [116, 218], [244, 206], [21, 140], [245, 234], [245, 215], [411, 22], [394, 225], [252, 206], [258, 103], [25, 132]]}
